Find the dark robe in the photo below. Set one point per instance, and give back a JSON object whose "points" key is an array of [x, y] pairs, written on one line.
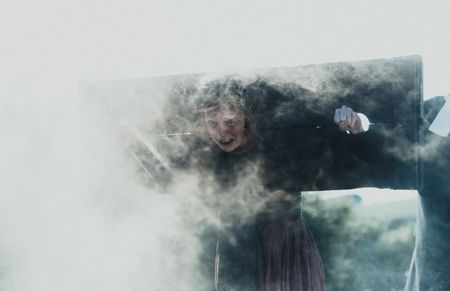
{"points": [[430, 266], [263, 242]]}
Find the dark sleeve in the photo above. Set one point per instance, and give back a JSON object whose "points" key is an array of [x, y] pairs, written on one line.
{"points": [[327, 159], [358, 160]]}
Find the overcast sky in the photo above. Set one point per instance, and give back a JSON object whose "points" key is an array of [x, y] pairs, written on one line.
{"points": [[90, 40]]}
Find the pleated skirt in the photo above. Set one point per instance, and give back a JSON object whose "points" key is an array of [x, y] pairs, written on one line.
{"points": [[279, 256], [288, 258]]}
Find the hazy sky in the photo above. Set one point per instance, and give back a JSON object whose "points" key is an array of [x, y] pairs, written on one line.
{"points": [[92, 40]]}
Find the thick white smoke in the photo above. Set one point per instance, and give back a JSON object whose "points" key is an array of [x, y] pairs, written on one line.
{"points": [[73, 215], [76, 213]]}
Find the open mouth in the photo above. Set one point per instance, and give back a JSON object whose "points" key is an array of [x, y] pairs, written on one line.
{"points": [[225, 142]]}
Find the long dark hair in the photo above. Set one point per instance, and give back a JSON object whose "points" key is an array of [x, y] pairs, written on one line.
{"points": [[241, 94]]}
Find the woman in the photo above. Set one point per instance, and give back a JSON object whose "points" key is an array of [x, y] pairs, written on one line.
{"points": [[263, 242]]}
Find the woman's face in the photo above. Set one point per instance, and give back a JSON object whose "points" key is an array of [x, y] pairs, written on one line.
{"points": [[225, 126]]}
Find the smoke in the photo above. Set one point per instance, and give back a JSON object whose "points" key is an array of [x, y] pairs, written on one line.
{"points": [[93, 201], [173, 112], [143, 188], [74, 214]]}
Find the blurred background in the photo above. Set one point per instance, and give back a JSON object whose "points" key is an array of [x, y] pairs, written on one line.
{"points": [[365, 244]]}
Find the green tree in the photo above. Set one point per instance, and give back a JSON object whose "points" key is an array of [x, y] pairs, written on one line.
{"points": [[359, 254]]}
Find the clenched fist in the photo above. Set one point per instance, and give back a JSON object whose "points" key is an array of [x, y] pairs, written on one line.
{"points": [[348, 120]]}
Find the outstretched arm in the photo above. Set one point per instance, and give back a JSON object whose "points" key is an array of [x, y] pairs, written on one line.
{"points": [[358, 159]]}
